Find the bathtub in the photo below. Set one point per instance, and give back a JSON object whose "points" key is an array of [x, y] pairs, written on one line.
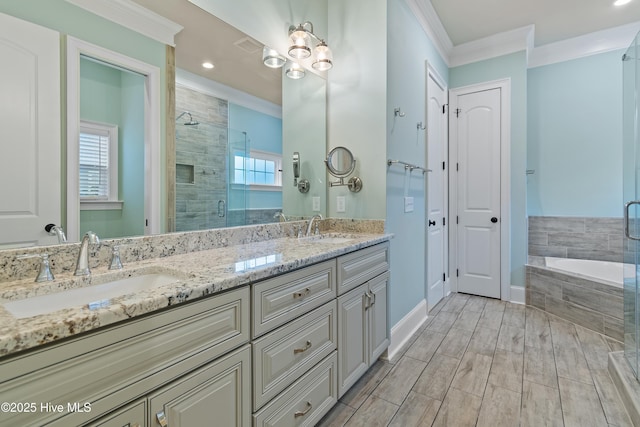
{"points": [[609, 272], [586, 292]]}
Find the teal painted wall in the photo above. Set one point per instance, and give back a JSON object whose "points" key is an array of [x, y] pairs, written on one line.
{"points": [[112, 96], [406, 86], [575, 137], [74, 21], [514, 67]]}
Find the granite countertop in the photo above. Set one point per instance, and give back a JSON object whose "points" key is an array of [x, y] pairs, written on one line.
{"points": [[200, 274]]}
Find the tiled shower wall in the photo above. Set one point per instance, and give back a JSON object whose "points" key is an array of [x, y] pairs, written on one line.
{"points": [[576, 237], [201, 160]]}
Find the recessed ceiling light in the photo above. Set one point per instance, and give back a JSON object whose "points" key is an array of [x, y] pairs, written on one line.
{"points": [[620, 2], [207, 65]]}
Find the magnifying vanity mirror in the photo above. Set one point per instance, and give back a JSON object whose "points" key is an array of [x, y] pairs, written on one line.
{"points": [[341, 163]]}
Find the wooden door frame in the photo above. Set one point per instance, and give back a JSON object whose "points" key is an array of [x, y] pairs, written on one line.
{"points": [[431, 72], [505, 181]]}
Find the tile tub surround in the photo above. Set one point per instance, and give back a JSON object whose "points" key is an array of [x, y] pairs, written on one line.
{"points": [[576, 237], [206, 271], [585, 302]]}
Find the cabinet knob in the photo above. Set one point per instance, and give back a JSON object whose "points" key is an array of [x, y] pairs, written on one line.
{"points": [[301, 294], [303, 413], [306, 347], [162, 419]]}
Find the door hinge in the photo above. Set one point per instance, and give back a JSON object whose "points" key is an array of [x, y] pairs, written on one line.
{"points": [[444, 221], [444, 108], [444, 277], [442, 165], [458, 111], [146, 222], [457, 220], [457, 273], [457, 167]]}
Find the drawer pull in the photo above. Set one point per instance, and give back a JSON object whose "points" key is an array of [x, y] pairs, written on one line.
{"points": [[302, 350], [162, 419], [301, 294], [303, 413]]}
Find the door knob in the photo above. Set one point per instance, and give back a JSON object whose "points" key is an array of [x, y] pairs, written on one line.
{"points": [[432, 223], [494, 219]]}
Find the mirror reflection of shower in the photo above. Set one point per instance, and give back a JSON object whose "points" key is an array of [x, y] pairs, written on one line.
{"points": [[191, 122]]}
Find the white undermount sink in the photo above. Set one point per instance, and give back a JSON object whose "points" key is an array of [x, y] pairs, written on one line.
{"points": [[329, 238], [94, 296]]}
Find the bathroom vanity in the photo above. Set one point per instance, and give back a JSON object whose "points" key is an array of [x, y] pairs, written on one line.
{"points": [[265, 334]]}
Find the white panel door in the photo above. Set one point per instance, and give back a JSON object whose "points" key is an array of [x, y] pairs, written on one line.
{"points": [[478, 140], [436, 190], [29, 133]]}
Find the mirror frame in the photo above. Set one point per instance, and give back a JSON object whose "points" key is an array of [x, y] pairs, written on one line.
{"points": [[340, 173], [152, 122]]}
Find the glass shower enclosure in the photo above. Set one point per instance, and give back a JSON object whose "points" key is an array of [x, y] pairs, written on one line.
{"points": [[631, 197]]}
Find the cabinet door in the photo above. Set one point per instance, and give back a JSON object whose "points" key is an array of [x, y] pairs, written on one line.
{"points": [[219, 394], [378, 325], [352, 338]]}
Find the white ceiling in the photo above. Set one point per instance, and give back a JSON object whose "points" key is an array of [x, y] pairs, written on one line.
{"points": [[554, 20]]}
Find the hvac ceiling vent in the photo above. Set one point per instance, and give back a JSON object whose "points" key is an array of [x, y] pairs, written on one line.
{"points": [[249, 45]]}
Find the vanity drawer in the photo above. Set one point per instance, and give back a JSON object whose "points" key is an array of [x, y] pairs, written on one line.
{"points": [[281, 299], [285, 354], [356, 268], [306, 401]]}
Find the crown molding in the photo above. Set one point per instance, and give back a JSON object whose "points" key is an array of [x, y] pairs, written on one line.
{"points": [[493, 46], [430, 22], [589, 44], [134, 17]]}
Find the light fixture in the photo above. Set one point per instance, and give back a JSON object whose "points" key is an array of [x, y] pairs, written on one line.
{"points": [[621, 2], [295, 71], [208, 65], [271, 58], [300, 46]]}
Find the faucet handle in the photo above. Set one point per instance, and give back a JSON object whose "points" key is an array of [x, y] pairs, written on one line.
{"points": [[115, 264], [44, 272]]}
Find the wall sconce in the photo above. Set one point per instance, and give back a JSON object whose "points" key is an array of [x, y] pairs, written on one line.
{"points": [[295, 71], [271, 58], [301, 46]]}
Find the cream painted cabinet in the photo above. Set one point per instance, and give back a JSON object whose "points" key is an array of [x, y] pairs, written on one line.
{"points": [[363, 329], [216, 395]]}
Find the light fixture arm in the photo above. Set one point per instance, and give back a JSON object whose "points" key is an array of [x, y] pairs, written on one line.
{"points": [[308, 30]]}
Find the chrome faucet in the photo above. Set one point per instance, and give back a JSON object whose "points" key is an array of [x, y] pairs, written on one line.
{"points": [[56, 230], [280, 217], [82, 264], [317, 216]]}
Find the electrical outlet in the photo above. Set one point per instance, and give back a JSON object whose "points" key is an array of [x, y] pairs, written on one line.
{"points": [[341, 204], [408, 204], [316, 203]]}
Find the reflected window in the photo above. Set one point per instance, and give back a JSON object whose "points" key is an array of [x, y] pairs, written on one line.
{"points": [[260, 168], [98, 161]]}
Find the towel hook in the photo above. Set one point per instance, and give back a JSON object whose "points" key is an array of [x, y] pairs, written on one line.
{"points": [[420, 126], [397, 112]]}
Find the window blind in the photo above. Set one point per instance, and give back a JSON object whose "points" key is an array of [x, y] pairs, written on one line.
{"points": [[94, 164]]}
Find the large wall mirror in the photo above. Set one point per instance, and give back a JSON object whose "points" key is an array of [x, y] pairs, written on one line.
{"points": [[229, 122]]}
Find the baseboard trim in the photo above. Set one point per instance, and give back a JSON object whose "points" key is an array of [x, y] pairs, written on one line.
{"points": [[406, 327], [517, 294]]}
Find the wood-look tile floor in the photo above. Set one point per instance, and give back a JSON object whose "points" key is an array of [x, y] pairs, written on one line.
{"points": [[484, 362]]}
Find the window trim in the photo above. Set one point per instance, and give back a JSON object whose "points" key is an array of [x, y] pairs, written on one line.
{"points": [[265, 155]]}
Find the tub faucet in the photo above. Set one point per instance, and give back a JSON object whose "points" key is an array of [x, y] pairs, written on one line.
{"points": [[82, 264], [280, 217], [317, 216]]}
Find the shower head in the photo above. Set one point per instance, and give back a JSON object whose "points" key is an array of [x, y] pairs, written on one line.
{"points": [[191, 122]]}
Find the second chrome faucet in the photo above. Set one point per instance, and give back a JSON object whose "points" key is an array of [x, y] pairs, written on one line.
{"points": [[82, 264]]}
